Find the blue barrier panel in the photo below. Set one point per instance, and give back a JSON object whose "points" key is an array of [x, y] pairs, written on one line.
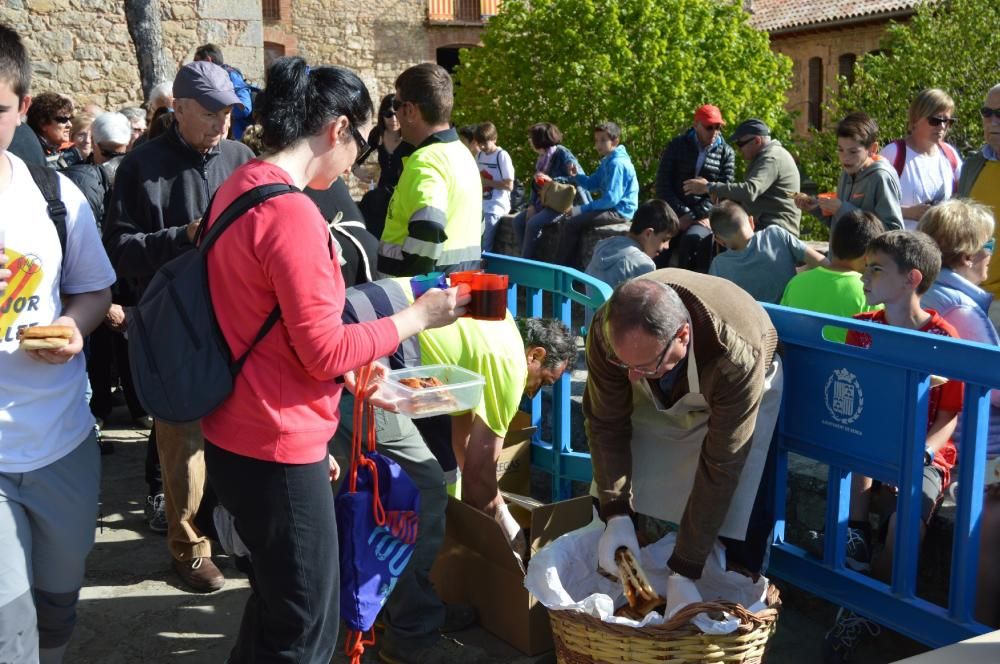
{"points": [[566, 286], [865, 410]]}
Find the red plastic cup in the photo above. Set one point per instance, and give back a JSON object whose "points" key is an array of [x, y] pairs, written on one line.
{"points": [[826, 196], [489, 296]]}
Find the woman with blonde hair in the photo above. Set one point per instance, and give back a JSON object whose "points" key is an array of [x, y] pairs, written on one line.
{"points": [[963, 230], [928, 168]]}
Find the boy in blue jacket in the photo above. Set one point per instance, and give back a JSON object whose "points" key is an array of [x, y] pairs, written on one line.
{"points": [[616, 181]]}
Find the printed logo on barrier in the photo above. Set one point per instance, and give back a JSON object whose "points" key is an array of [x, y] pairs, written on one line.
{"points": [[844, 398]]}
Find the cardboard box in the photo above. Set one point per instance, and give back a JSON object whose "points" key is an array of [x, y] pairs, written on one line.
{"points": [[514, 462], [477, 566]]}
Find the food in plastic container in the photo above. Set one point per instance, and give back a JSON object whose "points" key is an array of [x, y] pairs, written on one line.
{"points": [[436, 389]]}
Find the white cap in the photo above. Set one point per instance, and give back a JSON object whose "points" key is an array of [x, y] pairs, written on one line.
{"points": [[111, 129]]}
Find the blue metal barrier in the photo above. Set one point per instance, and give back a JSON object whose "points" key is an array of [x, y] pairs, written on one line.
{"points": [[865, 410], [566, 286]]}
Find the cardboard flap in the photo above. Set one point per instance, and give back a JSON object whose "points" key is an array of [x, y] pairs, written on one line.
{"points": [[520, 429], [481, 534], [550, 521]]}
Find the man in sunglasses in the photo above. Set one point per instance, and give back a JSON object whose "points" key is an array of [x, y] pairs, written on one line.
{"points": [[771, 179], [980, 181], [435, 217], [698, 152], [682, 396]]}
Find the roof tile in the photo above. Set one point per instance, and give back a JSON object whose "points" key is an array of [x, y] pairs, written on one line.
{"points": [[773, 15]]}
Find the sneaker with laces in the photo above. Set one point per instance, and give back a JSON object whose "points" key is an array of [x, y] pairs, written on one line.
{"points": [[156, 516], [443, 650], [859, 557], [849, 630]]}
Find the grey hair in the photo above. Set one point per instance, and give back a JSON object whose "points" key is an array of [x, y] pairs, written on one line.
{"points": [[994, 90], [133, 113], [647, 305], [161, 92], [552, 335]]}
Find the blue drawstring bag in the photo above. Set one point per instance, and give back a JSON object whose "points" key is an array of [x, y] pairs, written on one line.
{"points": [[377, 521]]}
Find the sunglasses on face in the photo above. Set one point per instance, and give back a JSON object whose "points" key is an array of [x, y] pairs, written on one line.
{"points": [[712, 127], [388, 114], [936, 121], [740, 144], [397, 104], [364, 150], [988, 112], [988, 247], [62, 119]]}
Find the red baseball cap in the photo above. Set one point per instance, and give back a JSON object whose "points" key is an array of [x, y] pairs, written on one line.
{"points": [[709, 115]]}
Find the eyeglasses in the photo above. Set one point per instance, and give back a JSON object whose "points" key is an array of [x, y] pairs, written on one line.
{"points": [[389, 114], [364, 150], [936, 121], [988, 247], [988, 112], [397, 103], [62, 119], [712, 127], [740, 144], [645, 372]]}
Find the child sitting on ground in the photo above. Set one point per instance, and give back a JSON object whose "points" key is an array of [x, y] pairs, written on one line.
{"points": [[760, 263], [836, 289], [620, 258], [496, 170], [868, 182], [900, 267]]}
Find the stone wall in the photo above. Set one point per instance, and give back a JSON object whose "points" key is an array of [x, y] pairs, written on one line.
{"points": [[82, 47]]}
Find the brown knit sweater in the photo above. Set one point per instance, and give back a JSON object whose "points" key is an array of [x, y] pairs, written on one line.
{"points": [[734, 344]]}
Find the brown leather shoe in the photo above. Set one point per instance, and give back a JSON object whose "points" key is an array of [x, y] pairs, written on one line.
{"points": [[200, 574]]}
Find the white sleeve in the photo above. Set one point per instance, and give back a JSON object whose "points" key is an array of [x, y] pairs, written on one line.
{"points": [[506, 166], [86, 267]]}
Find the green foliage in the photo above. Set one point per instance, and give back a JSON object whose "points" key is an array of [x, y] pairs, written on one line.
{"points": [[645, 65], [949, 45]]}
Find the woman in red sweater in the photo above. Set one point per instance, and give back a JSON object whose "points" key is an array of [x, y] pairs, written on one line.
{"points": [[265, 447]]}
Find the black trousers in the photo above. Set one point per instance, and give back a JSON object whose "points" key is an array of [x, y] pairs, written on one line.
{"points": [[108, 360], [284, 514]]}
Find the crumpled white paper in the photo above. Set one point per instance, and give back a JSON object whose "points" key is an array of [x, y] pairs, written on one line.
{"points": [[563, 576]]}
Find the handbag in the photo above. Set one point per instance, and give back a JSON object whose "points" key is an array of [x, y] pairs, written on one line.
{"points": [[558, 196], [377, 521]]}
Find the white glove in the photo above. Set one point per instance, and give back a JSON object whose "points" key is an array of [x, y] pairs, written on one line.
{"points": [[681, 591], [512, 529], [618, 532]]}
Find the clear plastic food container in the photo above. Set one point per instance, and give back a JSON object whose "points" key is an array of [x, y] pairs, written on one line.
{"points": [[461, 389]]}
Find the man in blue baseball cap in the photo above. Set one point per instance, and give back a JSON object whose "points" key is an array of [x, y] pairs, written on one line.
{"points": [[161, 192]]}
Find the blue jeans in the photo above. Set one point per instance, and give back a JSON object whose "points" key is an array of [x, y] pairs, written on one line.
{"points": [[527, 230]]}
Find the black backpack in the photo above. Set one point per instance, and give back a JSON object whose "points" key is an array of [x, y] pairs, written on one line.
{"points": [[181, 364], [47, 181]]}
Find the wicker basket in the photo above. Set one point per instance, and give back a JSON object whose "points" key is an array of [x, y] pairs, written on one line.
{"points": [[583, 639]]}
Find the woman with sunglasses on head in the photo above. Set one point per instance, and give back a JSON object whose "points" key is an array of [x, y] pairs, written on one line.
{"points": [[50, 116], [928, 168], [388, 140], [265, 446]]}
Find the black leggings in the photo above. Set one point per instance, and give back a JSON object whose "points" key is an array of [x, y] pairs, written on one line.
{"points": [[284, 514]]}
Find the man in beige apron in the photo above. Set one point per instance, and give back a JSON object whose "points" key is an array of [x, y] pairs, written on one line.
{"points": [[682, 397]]}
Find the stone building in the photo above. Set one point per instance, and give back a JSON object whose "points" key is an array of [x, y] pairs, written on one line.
{"points": [[824, 39], [83, 48]]}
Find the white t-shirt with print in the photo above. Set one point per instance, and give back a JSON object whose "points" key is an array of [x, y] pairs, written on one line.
{"points": [[925, 178], [497, 166], [43, 412]]}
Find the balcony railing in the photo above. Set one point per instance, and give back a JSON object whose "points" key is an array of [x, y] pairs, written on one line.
{"points": [[461, 11]]}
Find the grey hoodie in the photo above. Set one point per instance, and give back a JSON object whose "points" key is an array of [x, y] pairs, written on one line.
{"points": [[874, 189], [618, 259]]}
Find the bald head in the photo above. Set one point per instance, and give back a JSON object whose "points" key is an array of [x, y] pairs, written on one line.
{"points": [[647, 305]]}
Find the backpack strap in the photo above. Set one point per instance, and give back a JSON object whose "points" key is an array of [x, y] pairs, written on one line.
{"points": [[243, 204], [900, 161], [952, 157], [47, 181]]}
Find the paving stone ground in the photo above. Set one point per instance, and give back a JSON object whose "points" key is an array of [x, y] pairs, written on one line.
{"points": [[133, 610]]}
